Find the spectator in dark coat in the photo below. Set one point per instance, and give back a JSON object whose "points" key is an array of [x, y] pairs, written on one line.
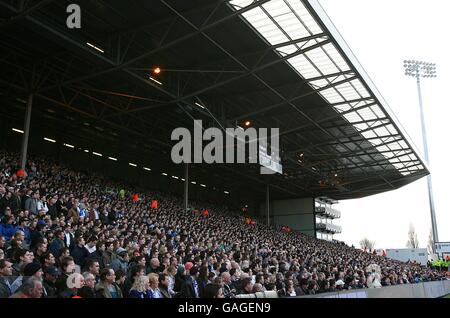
{"points": [[37, 235], [97, 255], [191, 288], [88, 290], [5, 274], [68, 268], [51, 274], [57, 243], [79, 252]]}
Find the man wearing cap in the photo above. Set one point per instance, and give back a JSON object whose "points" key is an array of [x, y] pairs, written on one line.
{"points": [[51, 274]]}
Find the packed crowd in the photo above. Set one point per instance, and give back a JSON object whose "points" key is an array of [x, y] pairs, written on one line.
{"points": [[69, 234]]}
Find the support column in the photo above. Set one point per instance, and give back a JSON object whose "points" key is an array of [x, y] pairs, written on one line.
{"points": [[186, 186], [26, 133], [268, 203], [427, 159]]}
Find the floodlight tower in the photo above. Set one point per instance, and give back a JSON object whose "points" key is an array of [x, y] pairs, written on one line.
{"points": [[419, 69]]}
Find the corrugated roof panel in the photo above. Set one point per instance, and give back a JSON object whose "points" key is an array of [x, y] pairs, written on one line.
{"points": [[296, 22], [367, 114], [343, 108], [288, 49], [362, 126], [395, 146], [336, 57], [360, 88], [304, 67], [353, 117], [322, 61], [381, 131], [392, 129], [369, 134], [320, 83], [377, 110], [331, 95], [304, 15], [348, 91], [276, 8]]}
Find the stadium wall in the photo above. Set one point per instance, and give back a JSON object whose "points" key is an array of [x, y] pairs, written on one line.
{"points": [[421, 290], [298, 214]]}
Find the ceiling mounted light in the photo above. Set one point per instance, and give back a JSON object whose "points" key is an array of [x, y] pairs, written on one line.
{"points": [[155, 80], [95, 47], [49, 140], [18, 130]]}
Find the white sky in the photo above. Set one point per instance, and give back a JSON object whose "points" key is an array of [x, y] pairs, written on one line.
{"points": [[382, 34]]}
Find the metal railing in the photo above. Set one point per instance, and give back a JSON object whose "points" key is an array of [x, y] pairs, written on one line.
{"points": [[328, 212], [328, 227]]}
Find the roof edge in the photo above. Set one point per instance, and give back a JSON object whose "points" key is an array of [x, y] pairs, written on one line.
{"points": [[323, 18]]}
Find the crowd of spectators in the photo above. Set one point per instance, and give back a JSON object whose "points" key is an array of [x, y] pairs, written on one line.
{"points": [[69, 234]]}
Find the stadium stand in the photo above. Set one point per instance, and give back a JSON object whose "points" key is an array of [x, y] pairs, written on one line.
{"points": [[126, 242]]}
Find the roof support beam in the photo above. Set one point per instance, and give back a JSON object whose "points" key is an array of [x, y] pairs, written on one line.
{"points": [[161, 47], [290, 100], [276, 92], [22, 14], [248, 73]]}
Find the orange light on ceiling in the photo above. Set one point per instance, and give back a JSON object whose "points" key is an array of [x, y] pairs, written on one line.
{"points": [[156, 70], [247, 123]]}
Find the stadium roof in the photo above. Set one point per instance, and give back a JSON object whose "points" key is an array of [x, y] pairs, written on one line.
{"points": [[276, 63]]}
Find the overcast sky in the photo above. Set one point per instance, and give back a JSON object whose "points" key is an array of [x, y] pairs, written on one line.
{"points": [[383, 33]]}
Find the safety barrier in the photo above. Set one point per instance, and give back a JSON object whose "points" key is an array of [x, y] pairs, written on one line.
{"points": [[266, 294], [420, 290]]}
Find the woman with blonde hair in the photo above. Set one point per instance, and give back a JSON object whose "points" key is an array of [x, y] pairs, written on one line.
{"points": [[171, 272], [140, 287], [153, 290]]}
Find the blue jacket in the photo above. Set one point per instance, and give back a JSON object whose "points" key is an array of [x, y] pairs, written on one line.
{"points": [[136, 294], [7, 230], [56, 246], [154, 294]]}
